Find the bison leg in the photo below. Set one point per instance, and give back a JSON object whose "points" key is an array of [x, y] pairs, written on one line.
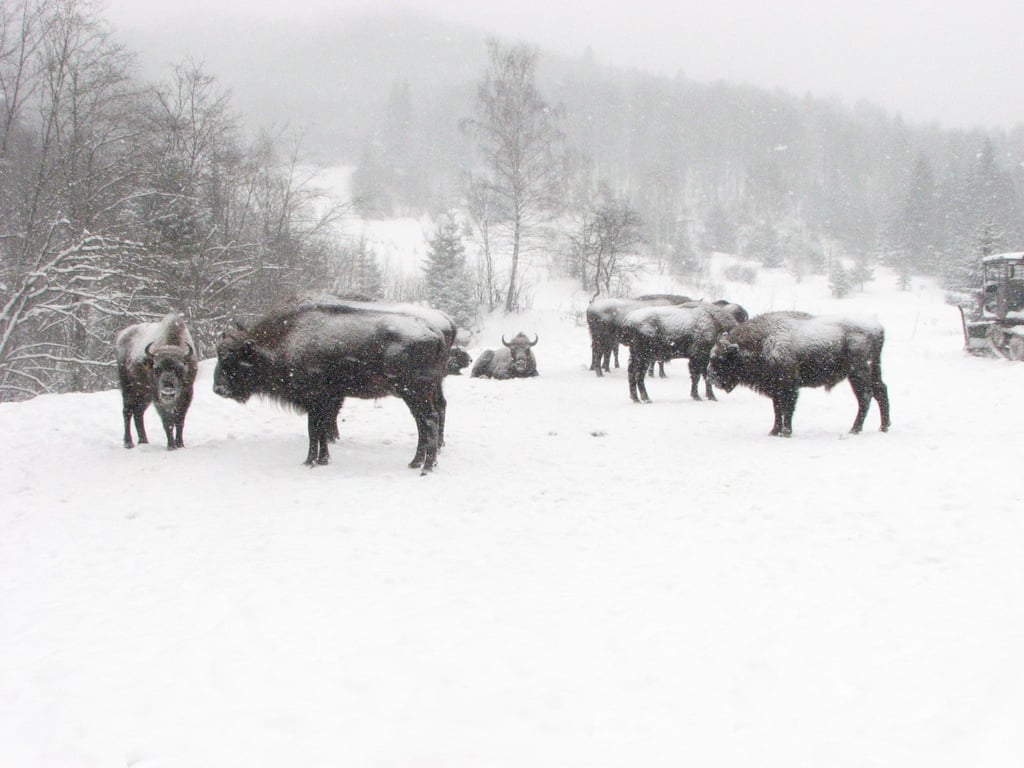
{"points": [[134, 412], [696, 369], [864, 388], [598, 357], [636, 371], [784, 404], [168, 425], [881, 393], [615, 351], [126, 412], [421, 406], [882, 396], [701, 366], [441, 407], [320, 424]]}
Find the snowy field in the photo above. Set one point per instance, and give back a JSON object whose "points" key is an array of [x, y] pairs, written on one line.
{"points": [[582, 581]]}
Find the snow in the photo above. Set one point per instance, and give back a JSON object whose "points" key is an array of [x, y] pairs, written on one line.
{"points": [[583, 581]]}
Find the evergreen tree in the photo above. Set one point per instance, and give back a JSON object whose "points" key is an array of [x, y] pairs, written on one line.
{"points": [[448, 285], [839, 279], [358, 271]]}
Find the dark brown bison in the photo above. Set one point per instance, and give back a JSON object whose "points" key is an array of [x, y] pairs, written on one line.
{"points": [[314, 350], [666, 333], [457, 360], [604, 321], [779, 352], [515, 360], [156, 363]]}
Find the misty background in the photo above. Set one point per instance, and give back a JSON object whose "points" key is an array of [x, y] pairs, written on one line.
{"points": [[160, 157]]}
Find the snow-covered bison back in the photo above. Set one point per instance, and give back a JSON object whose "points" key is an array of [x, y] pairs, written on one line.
{"points": [[777, 353], [156, 363]]}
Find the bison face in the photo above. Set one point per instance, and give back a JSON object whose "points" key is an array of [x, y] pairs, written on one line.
{"points": [[724, 368], [235, 374], [173, 370], [522, 363]]}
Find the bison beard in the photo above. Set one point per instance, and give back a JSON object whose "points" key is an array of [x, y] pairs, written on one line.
{"points": [[777, 353], [313, 352]]}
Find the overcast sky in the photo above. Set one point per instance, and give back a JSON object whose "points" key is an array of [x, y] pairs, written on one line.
{"points": [[958, 62]]}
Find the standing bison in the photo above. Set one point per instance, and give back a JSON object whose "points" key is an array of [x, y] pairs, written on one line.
{"points": [[156, 363], [314, 350], [515, 360], [665, 333], [779, 352], [604, 321]]}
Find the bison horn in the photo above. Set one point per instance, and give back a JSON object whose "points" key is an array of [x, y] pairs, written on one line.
{"points": [[191, 352], [536, 338], [505, 342], [148, 348]]}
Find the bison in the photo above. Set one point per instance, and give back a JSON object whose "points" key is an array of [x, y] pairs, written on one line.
{"points": [[779, 352], [314, 350], [604, 321], [665, 333], [156, 363], [457, 360], [514, 361]]}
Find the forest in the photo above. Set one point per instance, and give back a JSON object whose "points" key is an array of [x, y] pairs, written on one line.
{"points": [[123, 196]]}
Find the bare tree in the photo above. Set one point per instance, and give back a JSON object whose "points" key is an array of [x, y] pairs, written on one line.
{"points": [[521, 150], [65, 182], [608, 232]]}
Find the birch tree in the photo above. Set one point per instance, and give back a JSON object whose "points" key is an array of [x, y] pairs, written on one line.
{"points": [[521, 153]]}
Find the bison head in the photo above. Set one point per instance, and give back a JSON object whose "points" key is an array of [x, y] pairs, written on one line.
{"points": [[522, 363], [173, 370], [725, 366], [458, 359], [235, 374]]}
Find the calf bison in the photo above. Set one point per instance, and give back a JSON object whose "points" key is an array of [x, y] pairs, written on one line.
{"points": [[665, 333], [314, 350], [604, 321], [779, 352], [156, 363], [514, 361]]}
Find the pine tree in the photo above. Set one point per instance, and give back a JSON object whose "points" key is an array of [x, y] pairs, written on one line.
{"points": [[448, 286]]}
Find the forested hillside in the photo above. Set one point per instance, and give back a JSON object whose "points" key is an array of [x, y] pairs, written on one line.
{"points": [[153, 169]]}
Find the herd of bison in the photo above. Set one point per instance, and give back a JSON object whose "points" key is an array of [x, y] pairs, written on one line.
{"points": [[313, 350]]}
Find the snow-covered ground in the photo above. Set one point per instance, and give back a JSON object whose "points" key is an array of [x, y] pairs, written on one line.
{"points": [[582, 581]]}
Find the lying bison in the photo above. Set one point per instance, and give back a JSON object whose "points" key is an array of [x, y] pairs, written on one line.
{"points": [[156, 363], [779, 352], [666, 333], [314, 350], [457, 360], [604, 321], [515, 360]]}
